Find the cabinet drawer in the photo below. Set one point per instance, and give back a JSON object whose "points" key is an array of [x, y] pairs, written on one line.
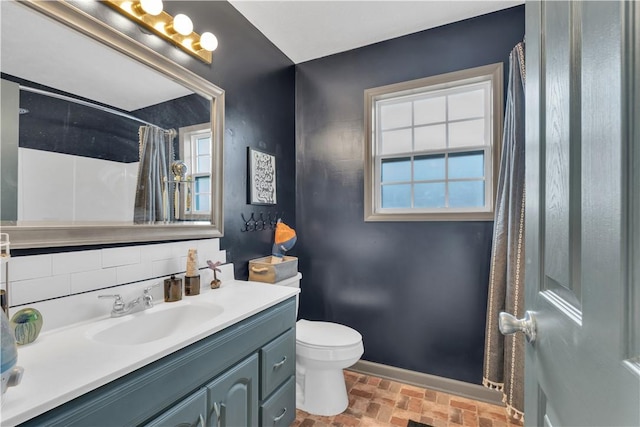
{"points": [[280, 408], [277, 362], [192, 411]]}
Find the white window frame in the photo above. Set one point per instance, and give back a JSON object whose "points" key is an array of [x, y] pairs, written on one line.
{"points": [[374, 97], [188, 137]]}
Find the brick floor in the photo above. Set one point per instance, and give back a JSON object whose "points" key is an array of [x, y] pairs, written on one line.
{"points": [[376, 402]]}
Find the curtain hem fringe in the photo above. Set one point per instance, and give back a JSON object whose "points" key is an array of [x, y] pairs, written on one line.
{"points": [[492, 385], [511, 411], [514, 413]]}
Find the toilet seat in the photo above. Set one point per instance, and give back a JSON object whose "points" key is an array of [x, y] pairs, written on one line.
{"points": [[327, 341]]}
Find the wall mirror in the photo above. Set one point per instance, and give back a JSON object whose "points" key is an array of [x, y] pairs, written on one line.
{"points": [[87, 116]]}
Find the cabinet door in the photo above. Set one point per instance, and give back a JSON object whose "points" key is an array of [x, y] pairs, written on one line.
{"points": [[190, 412], [233, 396]]}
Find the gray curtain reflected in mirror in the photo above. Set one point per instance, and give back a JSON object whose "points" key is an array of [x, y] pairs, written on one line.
{"points": [[153, 192]]}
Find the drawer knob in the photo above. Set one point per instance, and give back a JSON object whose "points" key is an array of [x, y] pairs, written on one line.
{"points": [[279, 417], [280, 363]]}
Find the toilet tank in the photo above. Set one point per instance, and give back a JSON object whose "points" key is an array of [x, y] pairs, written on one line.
{"points": [[293, 282]]}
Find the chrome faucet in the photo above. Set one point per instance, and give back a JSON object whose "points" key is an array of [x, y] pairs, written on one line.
{"points": [[120, 308]]}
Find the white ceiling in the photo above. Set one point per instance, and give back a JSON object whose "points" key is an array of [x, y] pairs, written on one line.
{"points": [[301, 29], [309, 29]]}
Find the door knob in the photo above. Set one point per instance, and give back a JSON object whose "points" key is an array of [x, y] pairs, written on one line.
{"points": [[508, 325]]}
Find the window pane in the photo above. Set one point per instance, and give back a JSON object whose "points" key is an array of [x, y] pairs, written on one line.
{"points": [[203, 184], [430, 137], [204, 164], [468, 133], [466, 165], [396, 141], [428, 168], [395, 115], [202, 202], [396, 196], [430, 110], [429, 195], [204, 145], [396, 170], [466, 105], [466, 194]]}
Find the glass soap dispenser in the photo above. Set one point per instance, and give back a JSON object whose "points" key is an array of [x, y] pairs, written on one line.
{"points": [[172, 289]]}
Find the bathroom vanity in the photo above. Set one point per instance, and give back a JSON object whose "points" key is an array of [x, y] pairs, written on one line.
{"points": [[237, 368]]}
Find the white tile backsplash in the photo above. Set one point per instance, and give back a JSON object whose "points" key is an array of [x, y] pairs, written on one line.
{"points": [[92, 280], [208, 246], [167, 267], [115, 257], [24, 291], [41, 277], [133, 272], [157, 252], [31, 267], [73, 262]]}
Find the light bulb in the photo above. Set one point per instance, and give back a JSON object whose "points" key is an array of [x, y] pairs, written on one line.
{"points": [[182, 24], [208, 41], [152, 7]]}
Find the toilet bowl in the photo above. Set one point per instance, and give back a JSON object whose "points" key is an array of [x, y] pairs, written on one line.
{"points": [[323, 350]]}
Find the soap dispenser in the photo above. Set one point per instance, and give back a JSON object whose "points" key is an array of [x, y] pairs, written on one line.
{"points": [[172, 289], [192, 277]]}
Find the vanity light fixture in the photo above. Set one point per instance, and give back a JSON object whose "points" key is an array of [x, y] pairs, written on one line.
{"points": [[181, 24], [178, 30], [152, 7]]}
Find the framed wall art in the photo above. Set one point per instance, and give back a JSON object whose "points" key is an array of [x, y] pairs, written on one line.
{"points": [[262, 178]]}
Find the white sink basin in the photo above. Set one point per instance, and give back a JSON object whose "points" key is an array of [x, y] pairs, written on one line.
{"points": [[153, 324]]}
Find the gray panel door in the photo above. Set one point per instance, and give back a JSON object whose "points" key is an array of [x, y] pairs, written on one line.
{"points": [[582, 369]]}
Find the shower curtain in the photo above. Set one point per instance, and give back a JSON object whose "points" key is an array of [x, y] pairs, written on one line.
{"points": [[504, 355], [152, 191]]}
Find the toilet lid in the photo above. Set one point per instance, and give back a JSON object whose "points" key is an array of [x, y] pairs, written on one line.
{"points": [[325, 334]]}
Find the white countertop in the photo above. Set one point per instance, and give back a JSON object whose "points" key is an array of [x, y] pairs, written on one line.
{"points": [[64, 363]]}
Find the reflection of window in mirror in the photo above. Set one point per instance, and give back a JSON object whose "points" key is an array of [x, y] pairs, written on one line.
{"points": [[195, 151]]}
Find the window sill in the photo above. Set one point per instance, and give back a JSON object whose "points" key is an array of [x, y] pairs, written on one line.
{"points": [[440, 216]]}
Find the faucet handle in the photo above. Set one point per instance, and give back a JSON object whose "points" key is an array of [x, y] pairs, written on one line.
{"points": [[148, 288], [148, 298], [118, 304]]}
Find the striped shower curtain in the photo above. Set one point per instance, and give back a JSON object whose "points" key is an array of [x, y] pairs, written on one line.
{"points": [[504, 355], [152, 191]]}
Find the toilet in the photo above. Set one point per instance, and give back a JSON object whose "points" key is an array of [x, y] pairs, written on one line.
{"points": [[323, 350]]}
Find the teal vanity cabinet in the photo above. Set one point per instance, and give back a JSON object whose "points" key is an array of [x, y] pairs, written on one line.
{"points": [[243, 375]]}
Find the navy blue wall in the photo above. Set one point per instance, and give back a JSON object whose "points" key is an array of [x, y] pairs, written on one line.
{"points": [[259, 86], [416, 291]]}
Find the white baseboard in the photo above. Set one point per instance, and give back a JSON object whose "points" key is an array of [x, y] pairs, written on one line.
{"points": [[432, 382]]}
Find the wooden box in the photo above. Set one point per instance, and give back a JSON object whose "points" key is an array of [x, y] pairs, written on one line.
{"points": [[262, 270]]}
